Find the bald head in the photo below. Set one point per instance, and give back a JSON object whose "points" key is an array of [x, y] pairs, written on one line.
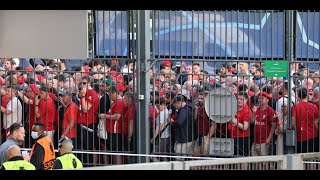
{"points": [[65, 146], [13, 151]]}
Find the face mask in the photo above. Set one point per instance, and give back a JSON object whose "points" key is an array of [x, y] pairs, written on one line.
{"points": [[34, 135]]}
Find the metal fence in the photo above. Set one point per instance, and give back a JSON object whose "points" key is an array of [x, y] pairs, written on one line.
{"points": [[178, 83]]}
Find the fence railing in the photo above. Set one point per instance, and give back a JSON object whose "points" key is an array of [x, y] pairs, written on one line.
{"points": [[281, 162]]}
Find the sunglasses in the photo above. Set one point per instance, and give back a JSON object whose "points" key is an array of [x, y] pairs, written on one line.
{"points": [[84, 83]]}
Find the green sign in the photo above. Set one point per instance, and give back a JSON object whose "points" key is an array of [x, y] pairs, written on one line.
{"points": [[276, 68]]}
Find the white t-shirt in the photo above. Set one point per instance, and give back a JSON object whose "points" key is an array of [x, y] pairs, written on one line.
{"points": [[284, 100], [15, 106], [162, 118]]}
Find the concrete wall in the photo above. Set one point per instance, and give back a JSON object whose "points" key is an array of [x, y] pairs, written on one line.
{"points": [[44, 34]]}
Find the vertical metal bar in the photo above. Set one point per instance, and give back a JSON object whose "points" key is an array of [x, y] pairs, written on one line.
{"points": [[110, 43], [289, 32], [192, 38], [181, 36], [170, 35], [143, 55], [271, 34], [159, 34]]}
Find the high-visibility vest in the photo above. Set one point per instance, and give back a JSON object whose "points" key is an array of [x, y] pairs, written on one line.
{"points": [[70, 161], [49, 154], [18, 165]]}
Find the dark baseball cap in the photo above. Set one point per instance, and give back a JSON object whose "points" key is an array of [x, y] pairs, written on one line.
{"points": [[179, 98], [65, 93]]}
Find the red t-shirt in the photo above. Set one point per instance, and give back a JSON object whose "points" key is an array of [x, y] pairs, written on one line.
{"points": [[123, 125], [90, 116], [5, 101], [47, 112], [305, 113], [243, 115], [202, 123], [71, 113], [262, 124], [117, 107], [21, 80]]}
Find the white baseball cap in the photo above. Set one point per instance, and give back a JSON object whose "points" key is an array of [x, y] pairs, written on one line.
{"points": [[16, 60]]}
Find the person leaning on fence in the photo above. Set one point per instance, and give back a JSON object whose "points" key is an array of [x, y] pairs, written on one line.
{"points": [[204, 127], [16, 161], [16, 137], [66, 160], [42, 153]]}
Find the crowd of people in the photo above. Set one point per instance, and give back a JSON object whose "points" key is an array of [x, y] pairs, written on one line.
{"points": [[95, 107]]}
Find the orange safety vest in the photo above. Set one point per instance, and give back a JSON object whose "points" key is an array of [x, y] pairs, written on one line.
{"points": [[49, 155]]}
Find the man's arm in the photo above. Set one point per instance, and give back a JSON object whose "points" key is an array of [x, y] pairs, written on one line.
{"points": [[181, 118], [37, 156], [57, 164], [5, 111]]}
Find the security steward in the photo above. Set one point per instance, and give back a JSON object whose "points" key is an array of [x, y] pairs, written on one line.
{"points": [[16, 161], [42, 153], [66, 160]]}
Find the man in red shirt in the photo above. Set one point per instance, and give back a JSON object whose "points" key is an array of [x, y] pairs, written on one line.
{"points": [[87, 122], [112, 118], [70, 116], [125, 126], [238, 128], [47, 111], [265, 124], [205, 128], [305, 117]]}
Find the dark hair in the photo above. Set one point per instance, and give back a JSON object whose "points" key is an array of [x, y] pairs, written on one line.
{"points": [[129, 61], [267, 88], [286, 85], [94, 62], [115, 67], [60, 77], [256, 66], [226, 65], [44, 88], [113, 89], [179, 98], [15, 127], [254, 99], [260, 69], [302, 93], [156, 93], [196, 64], [130, 95], [161, 100], [244, 94], [40, 124], [96, 87], [163, 66], [242, 87], [87, 78]]}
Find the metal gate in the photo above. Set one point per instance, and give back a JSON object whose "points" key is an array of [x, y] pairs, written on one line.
{"points": [[191, 81]]}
